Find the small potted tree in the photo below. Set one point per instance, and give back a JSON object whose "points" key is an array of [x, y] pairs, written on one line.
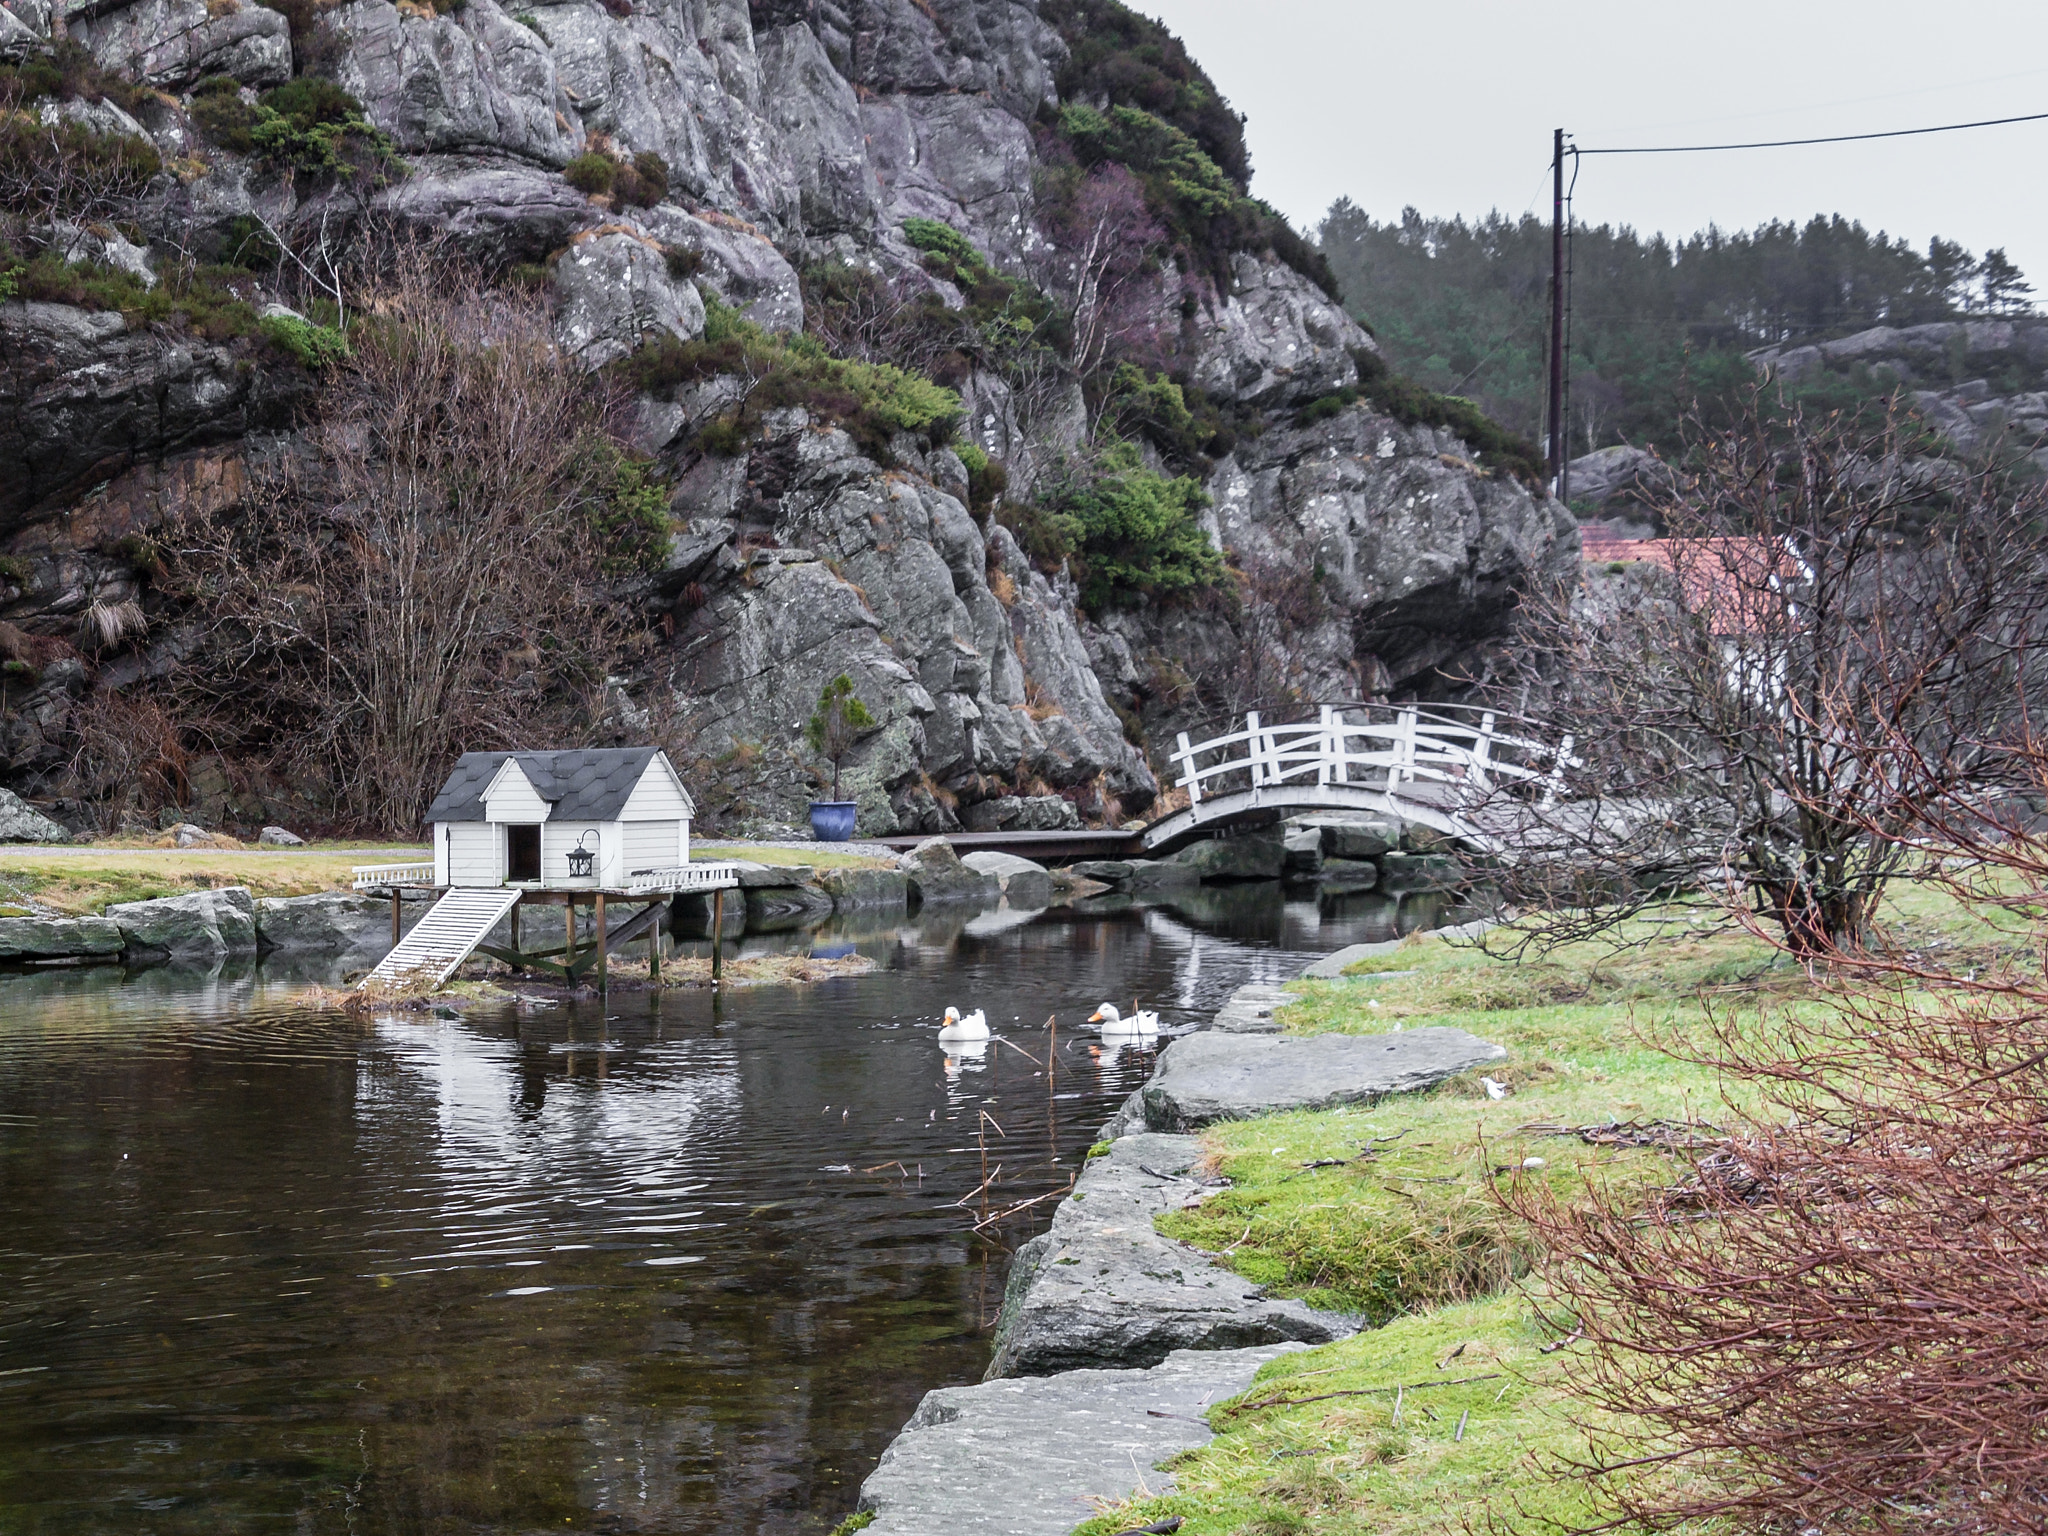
{"points": [[838, 722]]}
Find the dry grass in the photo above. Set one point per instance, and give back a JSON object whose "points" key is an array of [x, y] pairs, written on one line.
{"points": [[76, 883]]}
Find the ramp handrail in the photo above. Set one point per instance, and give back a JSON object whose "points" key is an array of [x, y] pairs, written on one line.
{"points": [[366, 877]]}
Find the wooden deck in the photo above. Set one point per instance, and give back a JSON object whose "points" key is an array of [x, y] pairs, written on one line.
{"points": [[462, 915]]}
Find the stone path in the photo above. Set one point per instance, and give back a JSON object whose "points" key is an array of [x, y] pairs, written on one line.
{"points": [[1207, 1077], [1102, 1288], [1023, 1457]]}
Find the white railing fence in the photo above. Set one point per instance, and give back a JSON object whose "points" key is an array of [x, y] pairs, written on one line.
{"points": [[1384, 754], [369, 877], [685, 877]]}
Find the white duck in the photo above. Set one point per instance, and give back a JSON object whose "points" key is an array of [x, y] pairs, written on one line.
{"points": [[959, 1026], [1141, 1022]]}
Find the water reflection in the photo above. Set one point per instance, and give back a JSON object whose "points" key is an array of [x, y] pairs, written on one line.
{"points": [[678, 1263]]}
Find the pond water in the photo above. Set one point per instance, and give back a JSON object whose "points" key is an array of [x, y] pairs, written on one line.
{"points": [[680, 1264]]}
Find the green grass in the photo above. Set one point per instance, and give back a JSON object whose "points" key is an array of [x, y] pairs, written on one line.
{"points": [[1343, 1465], [760, 853], [1402, 1227]]}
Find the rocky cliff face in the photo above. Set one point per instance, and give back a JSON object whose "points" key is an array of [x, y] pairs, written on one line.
{"points": [[1371, 556]]}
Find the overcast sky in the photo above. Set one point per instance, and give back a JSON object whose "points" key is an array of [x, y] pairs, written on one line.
{"points": [[1449, 106]]}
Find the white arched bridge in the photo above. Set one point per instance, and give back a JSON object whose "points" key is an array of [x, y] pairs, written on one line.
{"points": [[1447, 767], [1470, 773]]}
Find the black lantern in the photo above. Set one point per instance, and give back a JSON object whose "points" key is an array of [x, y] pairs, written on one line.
{"points": [[580, 859]]}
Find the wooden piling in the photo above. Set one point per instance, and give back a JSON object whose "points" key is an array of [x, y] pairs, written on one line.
{"points": [[654, 944], [602, 980], [568, 931], [516, 949], [396, 926], [717, 934]]}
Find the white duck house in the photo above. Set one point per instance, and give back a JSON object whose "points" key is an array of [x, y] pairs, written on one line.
{"points": [[612, 819]]}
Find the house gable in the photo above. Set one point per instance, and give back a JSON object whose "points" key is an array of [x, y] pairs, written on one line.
{"points": [[512, 796], [659, 795]]}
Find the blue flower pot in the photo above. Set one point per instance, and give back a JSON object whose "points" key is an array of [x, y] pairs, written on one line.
{"points": [[832, 820]]}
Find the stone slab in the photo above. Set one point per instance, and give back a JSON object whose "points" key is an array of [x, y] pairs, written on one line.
{"points": [[1023, 1457], [1249, 1010], [1102, 1289], [58, 938], [1208, 1077]]}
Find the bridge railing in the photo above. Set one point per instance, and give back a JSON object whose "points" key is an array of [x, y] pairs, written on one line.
{"points": [[1411, 746]]}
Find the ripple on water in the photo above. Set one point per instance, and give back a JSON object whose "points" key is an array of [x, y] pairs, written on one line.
{"points": [[678, 1265]]}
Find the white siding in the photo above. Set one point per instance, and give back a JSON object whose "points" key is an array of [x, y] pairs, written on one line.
{"points": [[475, 853], [657, 797], [512, 797], [557, 838], [653, 845]]}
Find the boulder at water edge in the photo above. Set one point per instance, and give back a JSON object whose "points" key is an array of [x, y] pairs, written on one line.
{"points": [[937, 875], [1235, 858], [866, 890], [205, 926], [58, 938], [1023, 883], [353, 929]]}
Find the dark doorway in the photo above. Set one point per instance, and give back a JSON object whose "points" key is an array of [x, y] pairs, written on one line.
{"points": [[522, 853]]}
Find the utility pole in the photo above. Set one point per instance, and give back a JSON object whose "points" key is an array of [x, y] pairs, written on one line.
{"points": [[1557, 426]]}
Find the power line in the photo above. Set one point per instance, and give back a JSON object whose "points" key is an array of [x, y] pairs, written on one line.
{"points": [[1840, 138]]}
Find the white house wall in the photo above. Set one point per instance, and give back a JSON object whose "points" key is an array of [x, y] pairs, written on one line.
{"points": [[558, 840], [652, 845], [474, 853]]}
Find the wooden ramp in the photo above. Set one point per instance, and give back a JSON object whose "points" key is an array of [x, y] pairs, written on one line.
{"points": [[445, 937]]}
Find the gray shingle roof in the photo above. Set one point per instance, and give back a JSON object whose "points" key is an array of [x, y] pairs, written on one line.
{"points": [[589, 785]]}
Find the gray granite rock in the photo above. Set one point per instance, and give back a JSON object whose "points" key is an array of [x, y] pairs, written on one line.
{"points": [[58, 938], [938, 875], [1209, 1077], [1348, 875], [866, 890], [785, 906], [1023, 883], [1304, 850], [1102, 1288], [1154, 875], [1249, 857], [1250, 1009], [352, 930], [279, 837], [1024, 1456], [203, 926], [1360, 839], [176, 42], [1419, 872], [1108, 871], [613, 293], [21, 822]]}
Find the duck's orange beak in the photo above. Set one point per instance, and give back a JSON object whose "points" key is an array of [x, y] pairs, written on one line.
{"points": [[1095, 1017]]}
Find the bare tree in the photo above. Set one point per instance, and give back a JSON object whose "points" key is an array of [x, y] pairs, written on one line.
{"points": [[1103, 263], [1823, 594], [439, 578]]}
